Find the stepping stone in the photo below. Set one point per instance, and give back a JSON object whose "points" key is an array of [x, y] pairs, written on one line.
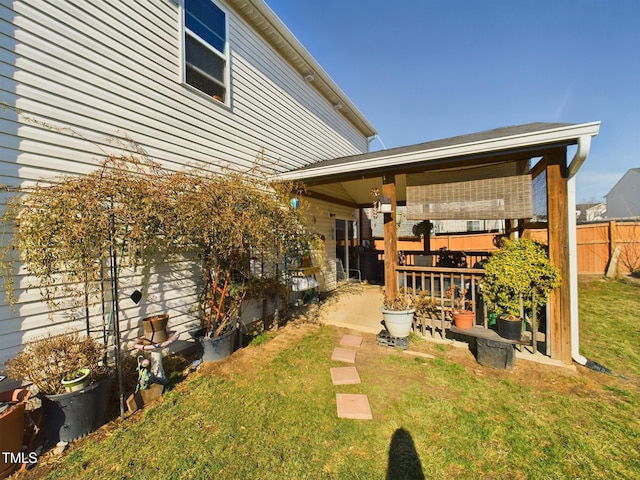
{"points": [[354, 406], [351, 341], [345, 376], [344, 355]]}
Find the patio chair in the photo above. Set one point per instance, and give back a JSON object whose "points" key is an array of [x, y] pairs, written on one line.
{"points": [[341, 275]]}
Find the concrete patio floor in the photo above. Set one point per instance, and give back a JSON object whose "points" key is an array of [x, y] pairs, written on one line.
{"points": [[357, 307]]}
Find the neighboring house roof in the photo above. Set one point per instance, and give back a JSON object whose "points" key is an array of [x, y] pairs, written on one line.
{"points": [[265, 21], [506, 140], [631, 171]]}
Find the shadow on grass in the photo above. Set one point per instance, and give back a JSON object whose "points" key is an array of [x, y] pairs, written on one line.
{"points": [[404, 462]]}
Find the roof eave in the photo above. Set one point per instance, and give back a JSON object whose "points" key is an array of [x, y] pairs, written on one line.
{"points": [[567, 135]]}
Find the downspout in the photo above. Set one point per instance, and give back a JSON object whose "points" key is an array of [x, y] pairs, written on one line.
{"points": [[584, 145]]}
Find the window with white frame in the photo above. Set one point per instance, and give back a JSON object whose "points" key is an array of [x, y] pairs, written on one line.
{"points": [[205, 48], [473, 225]]}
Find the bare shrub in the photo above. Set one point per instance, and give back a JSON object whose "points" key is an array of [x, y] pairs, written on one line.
{"points": [[46, 361]]}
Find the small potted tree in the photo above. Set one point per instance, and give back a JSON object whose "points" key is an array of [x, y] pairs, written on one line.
{"points": [[398, 313], [66, 231], [46, 363], [462, 317], [518, 279], [225, 218]]}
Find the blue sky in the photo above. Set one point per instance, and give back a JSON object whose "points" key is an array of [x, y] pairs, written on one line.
{"points": [[420, 70]]}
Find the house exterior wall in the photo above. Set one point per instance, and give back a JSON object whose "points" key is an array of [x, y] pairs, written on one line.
{"points": [[85, 72], [623, 200], [322, 218]]}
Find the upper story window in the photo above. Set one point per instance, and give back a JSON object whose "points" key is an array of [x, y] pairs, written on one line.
{"points": [[205, 48]]}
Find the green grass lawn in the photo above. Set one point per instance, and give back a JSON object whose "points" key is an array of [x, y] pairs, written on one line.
{"points": [[270, 413]]}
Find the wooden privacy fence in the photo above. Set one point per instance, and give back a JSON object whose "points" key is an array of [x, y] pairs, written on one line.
{"points": [[612, 245], [597, 244]]}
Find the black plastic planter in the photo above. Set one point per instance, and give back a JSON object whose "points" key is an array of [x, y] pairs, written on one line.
{"points": [[510, 329], [70, 416], [217, 348]]}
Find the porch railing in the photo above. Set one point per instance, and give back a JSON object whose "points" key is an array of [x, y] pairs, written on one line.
{"points": [[437, 281]]}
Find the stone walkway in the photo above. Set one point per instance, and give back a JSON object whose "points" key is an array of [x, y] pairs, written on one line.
{"points": [[355, 406]]}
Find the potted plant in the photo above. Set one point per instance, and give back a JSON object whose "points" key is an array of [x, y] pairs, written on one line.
{"points": [[451, 258], [518, 279], [397, 314], [46, 363], [226, 218], [463, 317], [427, 309], [76, 380], [75, 233], [12, 409]]}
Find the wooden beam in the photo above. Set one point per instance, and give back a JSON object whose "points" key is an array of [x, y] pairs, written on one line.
{"points": [[330, 199], [390, 239], [557, 212]]}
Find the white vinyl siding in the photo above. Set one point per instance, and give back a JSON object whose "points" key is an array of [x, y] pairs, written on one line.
{"points": [[320, 222], [113, 69]]}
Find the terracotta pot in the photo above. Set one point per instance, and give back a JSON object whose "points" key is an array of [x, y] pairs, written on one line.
{"points": [[464, 320], [12, 428], [155, 328]]}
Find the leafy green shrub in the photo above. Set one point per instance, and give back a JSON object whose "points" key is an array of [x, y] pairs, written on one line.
{"points": [[520, 267]]}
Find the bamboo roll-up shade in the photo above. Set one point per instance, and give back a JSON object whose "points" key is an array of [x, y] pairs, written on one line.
{"points": [[488, 193]]}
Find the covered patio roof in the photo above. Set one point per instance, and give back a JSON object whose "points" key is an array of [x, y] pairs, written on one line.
{"points": [[536, 147], [348, 180]]}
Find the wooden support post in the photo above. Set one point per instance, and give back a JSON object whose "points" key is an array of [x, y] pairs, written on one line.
{"points": [[557, 211], [390, 239]]}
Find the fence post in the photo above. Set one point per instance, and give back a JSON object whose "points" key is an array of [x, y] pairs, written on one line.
{"points": [[613, 241]]}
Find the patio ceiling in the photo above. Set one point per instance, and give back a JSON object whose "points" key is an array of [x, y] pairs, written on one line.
{"points": [[349, 180]]}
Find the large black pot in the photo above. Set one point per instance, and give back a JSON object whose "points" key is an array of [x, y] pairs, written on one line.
{"points": [[70, 416], [509, 327], [216, 348]]}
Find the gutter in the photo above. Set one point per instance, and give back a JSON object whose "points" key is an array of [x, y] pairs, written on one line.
{"points": [[389, 158]]}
